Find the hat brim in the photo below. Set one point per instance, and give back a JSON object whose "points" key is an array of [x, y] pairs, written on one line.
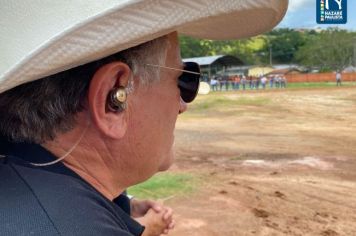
{"points": [[50, 45]]}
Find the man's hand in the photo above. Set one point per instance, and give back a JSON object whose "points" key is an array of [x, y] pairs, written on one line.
{"points": [[156, 218], [139, 208]]}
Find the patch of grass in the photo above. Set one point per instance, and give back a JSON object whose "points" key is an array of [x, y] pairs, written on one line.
{"points": [[317, 85], [164, 185], [244, 101], [216, 102], [213, 102]]}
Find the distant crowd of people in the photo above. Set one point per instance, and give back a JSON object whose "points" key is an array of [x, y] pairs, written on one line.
{"points": [[242, 82]]}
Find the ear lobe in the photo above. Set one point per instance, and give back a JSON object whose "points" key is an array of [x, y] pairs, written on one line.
{"points": [[111, 124]]}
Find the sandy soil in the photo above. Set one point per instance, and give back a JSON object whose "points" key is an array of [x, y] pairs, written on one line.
{"points": [[284, 168]]}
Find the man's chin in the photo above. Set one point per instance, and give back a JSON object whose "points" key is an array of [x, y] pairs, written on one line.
{"points": [[168, 161]]}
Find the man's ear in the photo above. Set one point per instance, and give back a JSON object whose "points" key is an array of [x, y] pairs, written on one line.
{"points": [[112, 75]]}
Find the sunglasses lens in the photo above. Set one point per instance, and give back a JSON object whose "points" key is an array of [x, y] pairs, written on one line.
{"points": [[188, 83]]}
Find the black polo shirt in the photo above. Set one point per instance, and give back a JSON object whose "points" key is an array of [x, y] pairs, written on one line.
{"points": [[54, 200]]}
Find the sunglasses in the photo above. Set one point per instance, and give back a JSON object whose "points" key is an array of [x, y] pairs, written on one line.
{"points": [[188, 81]]}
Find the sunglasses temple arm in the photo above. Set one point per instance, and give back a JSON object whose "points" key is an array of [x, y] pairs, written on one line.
{"points": [[171, 68]]}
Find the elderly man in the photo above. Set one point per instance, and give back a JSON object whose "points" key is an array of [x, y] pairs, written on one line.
{"points": [[89, 95]]}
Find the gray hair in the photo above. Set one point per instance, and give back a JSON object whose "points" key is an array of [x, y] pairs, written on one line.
{"points": [[35, 112]]}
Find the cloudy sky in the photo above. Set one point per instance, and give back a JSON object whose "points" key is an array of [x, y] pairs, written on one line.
{"points": [[302, 14]]}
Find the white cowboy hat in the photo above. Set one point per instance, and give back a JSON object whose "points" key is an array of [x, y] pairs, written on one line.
{"points": [[42, 37]]}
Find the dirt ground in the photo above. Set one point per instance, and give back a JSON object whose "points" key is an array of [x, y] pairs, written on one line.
{"points": [[287, 167]]}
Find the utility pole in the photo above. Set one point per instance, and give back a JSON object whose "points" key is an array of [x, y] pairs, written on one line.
{"points": [[354, 64], [270, 55]]}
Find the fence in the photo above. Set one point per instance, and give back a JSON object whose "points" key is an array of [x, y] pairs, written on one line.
{"points": [[320, 77]]}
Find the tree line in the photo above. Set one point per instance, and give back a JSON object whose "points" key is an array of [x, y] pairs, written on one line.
{"points": [[325, 50]]}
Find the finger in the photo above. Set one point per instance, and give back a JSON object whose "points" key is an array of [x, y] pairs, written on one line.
{"points": [[144, 206], [172, 225], [157, 208], [168, 214], [154, 205]]}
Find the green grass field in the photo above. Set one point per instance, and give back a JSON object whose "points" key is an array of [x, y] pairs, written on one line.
{"points": [[318, 85], [304, 85], [164, 185], [213, 102]]}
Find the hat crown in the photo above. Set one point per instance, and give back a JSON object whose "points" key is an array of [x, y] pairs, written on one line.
{"points": [[27, 25]]}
